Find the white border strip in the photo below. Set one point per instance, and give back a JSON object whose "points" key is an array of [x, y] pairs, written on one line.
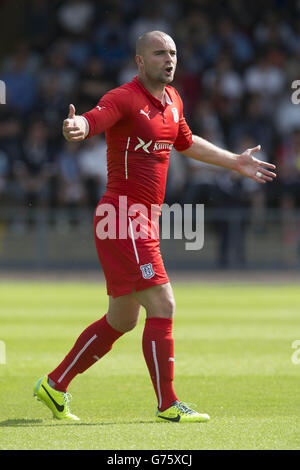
{"points": [[126, 172], [157, 373], [76, 358], [133, 241]]}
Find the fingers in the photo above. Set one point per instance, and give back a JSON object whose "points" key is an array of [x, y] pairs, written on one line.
{"points": [[76, 138], [70, 124], [259, 180], [263, 168], [71, 131], [267, 165], [71, 111], [74, 135], [269, 175], [264, 175], [261, 163]]}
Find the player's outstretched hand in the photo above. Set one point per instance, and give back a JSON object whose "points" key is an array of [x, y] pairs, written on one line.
{"points": [[248, 165], [74, 127]]}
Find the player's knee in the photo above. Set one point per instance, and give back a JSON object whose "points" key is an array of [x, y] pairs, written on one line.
{"points": [[130, 325], [121, 323], [168, 307]]}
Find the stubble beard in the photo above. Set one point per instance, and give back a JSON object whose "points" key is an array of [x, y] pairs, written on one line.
{"points": [[160, 78]]}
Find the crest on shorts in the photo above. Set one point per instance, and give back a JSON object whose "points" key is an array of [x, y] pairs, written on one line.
{"points": [[147, 271], [175, 114]]}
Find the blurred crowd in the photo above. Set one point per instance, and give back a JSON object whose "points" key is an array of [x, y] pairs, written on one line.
{"points": [[237, 61]]}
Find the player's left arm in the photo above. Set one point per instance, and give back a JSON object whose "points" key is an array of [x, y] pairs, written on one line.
{"points": [[245, 163]]}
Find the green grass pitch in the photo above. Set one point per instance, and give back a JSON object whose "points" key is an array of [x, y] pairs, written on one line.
{"points": [[233, 349]]}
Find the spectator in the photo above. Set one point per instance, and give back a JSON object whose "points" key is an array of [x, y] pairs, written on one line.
{"points": [[79, 51], [230, 195], [265, 79], [256, 124], [127, 72], [52, 104], [57, 68], [10, 133], [287, 115], [176, 180], [93, 83], [150, 20], [288, 161], [35, 171], [201, 177], [4, 174], [92, 168], [273, 31], [113, 26], [223, 80], [255, 196], [113, 53], [288, 164], [234, 73], [39, 22], [21, 87], [75, 16], [70, 186], [231, 38]]}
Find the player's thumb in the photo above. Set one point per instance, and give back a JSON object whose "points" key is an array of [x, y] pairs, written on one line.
{"points": [[255, 149], [71, 111]]}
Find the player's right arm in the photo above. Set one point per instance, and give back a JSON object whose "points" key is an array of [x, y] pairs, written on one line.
{"points": [[111, 108]]}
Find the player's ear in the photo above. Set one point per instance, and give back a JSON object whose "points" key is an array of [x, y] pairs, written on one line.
{"points": [[139, 60]]}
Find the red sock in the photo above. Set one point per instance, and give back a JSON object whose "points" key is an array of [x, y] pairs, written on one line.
{"points": [[93, 343], [158, 348]]}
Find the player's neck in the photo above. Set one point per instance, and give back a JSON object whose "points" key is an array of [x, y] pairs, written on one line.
{"points": [[156, 89]]}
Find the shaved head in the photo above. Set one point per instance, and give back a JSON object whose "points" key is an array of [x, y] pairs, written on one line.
{"points": [[156, 59], [147, 38]]}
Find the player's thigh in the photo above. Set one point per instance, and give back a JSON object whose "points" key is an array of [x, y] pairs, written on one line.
{"points": [[123, 312], [158, 300]]}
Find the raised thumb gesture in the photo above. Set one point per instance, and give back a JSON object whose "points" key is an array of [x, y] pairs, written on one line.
{"points": [[71, 111], [74, 127]]}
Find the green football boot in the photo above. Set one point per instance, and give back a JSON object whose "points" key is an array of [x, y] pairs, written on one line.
{"points": [[57, 401], [180, 412]]}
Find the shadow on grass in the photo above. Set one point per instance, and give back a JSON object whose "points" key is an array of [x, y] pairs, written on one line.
{"points": [[20, 422], [40, 422]]}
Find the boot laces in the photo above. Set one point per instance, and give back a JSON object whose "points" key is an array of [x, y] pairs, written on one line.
{"points": [[67, 399], [185, 407]]}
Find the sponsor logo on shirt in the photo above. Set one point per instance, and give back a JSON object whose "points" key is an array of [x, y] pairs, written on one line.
{"points": [[143, 145], [157, 145], [145, 114], [162, 146]]}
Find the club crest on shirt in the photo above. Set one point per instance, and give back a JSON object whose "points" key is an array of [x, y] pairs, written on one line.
{"points": [[147, 271], [175, 114]]}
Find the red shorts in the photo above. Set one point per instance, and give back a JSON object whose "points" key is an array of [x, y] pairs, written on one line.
{"points": [[131, 263]]}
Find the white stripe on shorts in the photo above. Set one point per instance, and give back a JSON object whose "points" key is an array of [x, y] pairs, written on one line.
{"points": [[133, 241]]}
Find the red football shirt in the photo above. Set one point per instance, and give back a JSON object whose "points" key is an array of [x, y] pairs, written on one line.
{"points": [[140, 133]]}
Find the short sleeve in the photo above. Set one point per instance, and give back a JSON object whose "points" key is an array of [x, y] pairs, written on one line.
{"points": [[112, 107]]}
